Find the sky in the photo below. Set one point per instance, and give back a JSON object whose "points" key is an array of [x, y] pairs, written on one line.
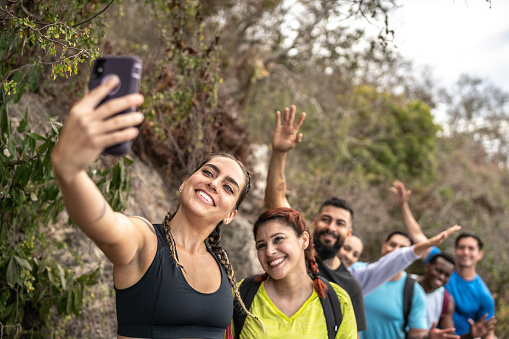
{"points": [[454, 37]]}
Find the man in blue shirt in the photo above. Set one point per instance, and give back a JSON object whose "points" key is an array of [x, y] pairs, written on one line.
{"points": [[472, 297]]}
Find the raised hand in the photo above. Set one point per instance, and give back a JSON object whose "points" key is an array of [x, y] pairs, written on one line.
{"points": [[422, 248], [440, 237], [400, 192], [482, 326], [286, 134], [89, 129]]}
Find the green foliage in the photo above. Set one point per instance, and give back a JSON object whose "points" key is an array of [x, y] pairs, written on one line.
{"points": [[38, 294], [27, 44], [191, 53], [183, 121], [32, 282], [393, 138]]}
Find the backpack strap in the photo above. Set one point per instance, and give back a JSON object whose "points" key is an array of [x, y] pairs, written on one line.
{"points": [[331, 309], [247, 291], [445, 304], [408, 295]]}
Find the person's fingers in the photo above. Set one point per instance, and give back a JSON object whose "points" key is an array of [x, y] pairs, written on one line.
{"points": [[278, 119], [471, 322], [491, 323], [116, 137], [285, 116], [299, 138], [437, 240], [119, 122], [118, 105], [433, 326], [94, 97], [440, 237], [452, 229], [300, 121], [291, 117]]}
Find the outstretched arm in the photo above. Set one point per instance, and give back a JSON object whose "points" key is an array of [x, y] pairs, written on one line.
{"points": [[421, 249], [87, 131], [377, 273], [286, 136]]}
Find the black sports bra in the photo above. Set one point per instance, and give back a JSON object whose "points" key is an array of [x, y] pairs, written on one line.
{"points": [[163, 305]]}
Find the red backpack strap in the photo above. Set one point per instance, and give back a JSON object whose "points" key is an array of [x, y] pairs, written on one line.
{"points": [[445, 304]]}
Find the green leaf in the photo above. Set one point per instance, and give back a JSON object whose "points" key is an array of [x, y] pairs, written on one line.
{"points": [[70, 298], [10, 144], [23, 263], [69, 279], [12, 272], [9, 43], [61, 274], [18, 77], [41, 293], [3, 237], [23, 123], [78, 300], [4, 120], [20, 89], [19, 176], [36, 136], [128, 161], [8, 310], [61, 305], [43, 265]]}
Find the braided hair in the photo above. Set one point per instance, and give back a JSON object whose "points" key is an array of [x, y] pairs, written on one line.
{"points": [[293, 219], [214, 238]]}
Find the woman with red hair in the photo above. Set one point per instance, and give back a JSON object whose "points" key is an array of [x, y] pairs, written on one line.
{"points": [[288, 298]]}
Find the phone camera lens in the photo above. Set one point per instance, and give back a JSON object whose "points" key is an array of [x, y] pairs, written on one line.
{"points": [[98, 69]]}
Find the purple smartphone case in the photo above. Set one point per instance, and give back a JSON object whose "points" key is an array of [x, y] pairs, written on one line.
{"points": [[128, 69]]}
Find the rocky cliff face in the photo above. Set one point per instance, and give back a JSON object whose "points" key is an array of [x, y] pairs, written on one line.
{"points": [[149, 198]]}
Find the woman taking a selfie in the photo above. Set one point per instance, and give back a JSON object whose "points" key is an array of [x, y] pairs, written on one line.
{"points": [[289, 302], [168, 282]]}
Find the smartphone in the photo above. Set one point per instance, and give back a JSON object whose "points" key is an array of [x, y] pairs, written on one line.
{"points": [[128, 69]]}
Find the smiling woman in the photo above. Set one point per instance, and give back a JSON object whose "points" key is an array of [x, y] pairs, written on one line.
{"points": [[288, 301], [169, 282]]}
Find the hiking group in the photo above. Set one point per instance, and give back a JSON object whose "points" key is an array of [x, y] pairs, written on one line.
{"points": [[174, 280]]}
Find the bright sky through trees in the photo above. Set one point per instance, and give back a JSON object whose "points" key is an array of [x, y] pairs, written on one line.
{"points": [[455, 37]]}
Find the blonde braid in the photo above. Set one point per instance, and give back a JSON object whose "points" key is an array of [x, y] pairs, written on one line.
{"points": [[215, 245], [169, 237]]}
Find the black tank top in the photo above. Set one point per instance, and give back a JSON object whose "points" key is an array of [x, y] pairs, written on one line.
{"points": [[163, 305]]}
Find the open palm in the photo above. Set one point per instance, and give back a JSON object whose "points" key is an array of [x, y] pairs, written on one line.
{"points": [[286, 134]]}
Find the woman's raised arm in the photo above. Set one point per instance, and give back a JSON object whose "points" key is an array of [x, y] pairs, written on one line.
{"points": [[88, 130]]}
